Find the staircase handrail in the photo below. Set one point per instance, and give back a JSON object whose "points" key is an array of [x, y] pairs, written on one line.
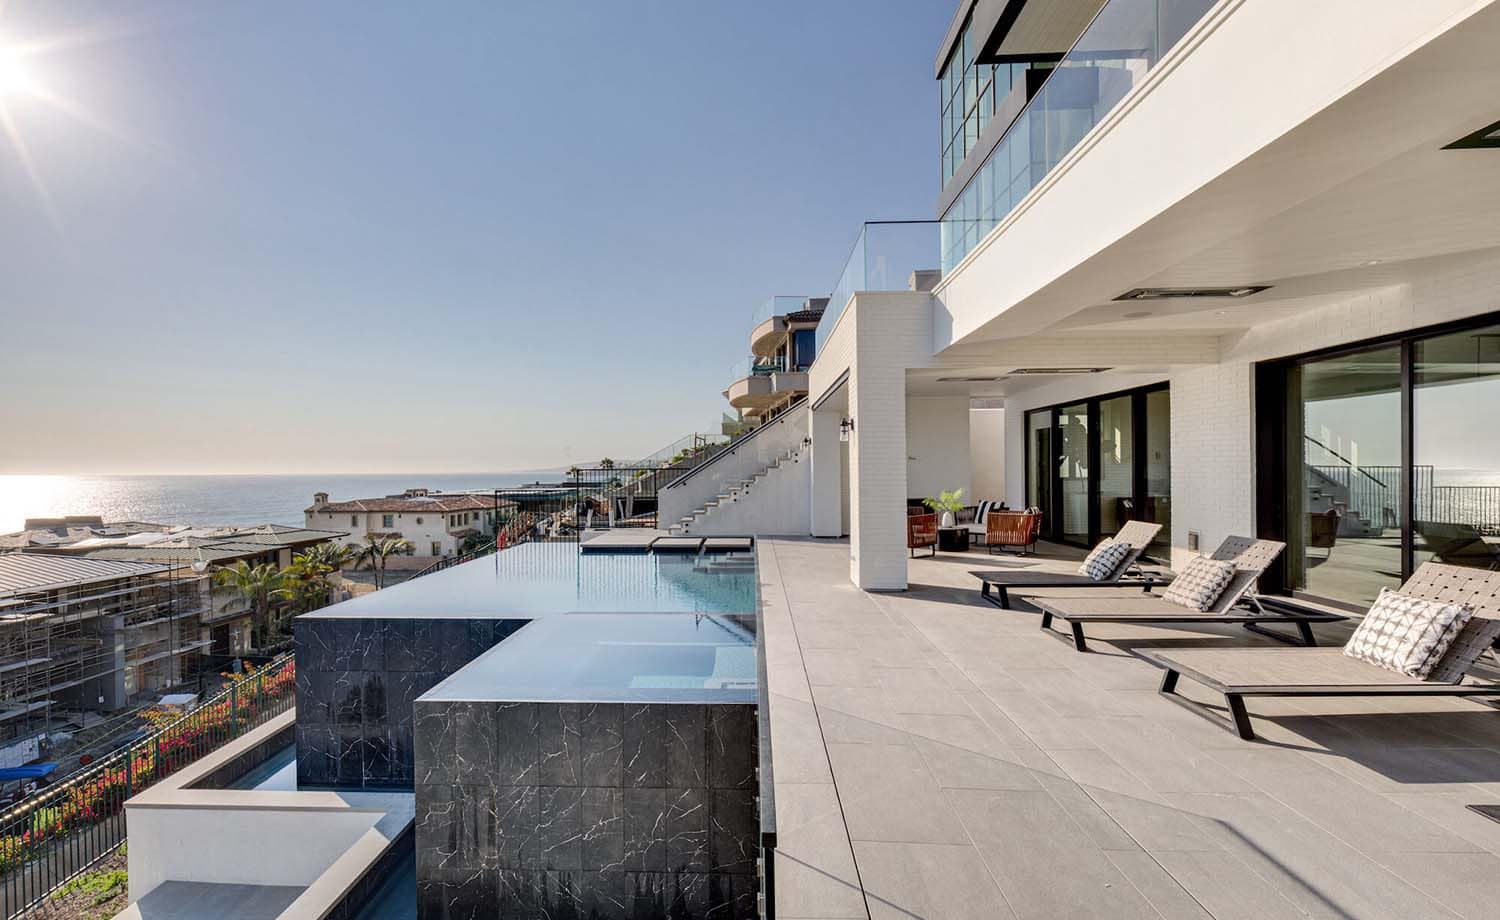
{"points": [[1347, 461], [736, 444]]}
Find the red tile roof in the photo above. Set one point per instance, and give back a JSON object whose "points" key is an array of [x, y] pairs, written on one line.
{"points": [[435, 503]]}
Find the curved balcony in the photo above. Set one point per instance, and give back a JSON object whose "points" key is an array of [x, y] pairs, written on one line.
{"points": [[750, 393], [767, 336]]}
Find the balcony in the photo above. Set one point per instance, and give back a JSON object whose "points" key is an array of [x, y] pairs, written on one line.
{"points": [[887, 256], [1114, 54], [769, 326]]}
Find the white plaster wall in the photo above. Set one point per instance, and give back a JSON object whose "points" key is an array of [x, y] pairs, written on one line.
{"points": [[986, 455], [778, 504], [433, 527], [937, 445], [229, 845]]}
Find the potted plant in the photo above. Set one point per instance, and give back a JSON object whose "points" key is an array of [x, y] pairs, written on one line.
{"points": [[947, 504]]}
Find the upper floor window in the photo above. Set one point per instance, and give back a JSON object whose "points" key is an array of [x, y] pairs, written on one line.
{"points": [[804, 348], [353, 520], [968, 95], [387, 520]]}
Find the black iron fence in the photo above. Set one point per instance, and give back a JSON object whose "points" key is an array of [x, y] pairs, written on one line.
{"points": [[61, 831]]}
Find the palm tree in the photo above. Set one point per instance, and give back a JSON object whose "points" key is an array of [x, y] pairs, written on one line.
{"points": [[305, 582], [256, 585], [606, 464], [377, 550], [333, 555]]}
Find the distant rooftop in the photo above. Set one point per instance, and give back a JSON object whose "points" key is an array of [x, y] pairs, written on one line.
{"points": [[23, 573], [413, 500]]}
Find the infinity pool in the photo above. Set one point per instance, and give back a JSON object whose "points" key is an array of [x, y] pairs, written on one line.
{"points": [[536, 579]]}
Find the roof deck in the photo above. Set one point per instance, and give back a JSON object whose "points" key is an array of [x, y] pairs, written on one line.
{"points": [[937, 757]]}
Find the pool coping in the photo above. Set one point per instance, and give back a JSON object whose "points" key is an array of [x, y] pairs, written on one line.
{"points": [[326, 894]]}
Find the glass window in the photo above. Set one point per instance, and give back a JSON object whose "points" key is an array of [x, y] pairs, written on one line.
{"points": [[1344, 507], [1039, 467], [1456, 456], [803, 344], [1073, 471], [1156, 504], [1116, 463], [388, 520]]}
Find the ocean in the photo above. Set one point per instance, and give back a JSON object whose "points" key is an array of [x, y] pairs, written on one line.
{"points": [[231, 500]]}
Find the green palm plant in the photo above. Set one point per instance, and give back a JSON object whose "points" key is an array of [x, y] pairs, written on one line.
{"points": [[333, 555], [947, 502], [376, 551], [257, 585], [304, 583]]}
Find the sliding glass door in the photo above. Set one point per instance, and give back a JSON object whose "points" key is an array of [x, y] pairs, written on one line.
{"points": [[1379, 458], [1096, 464]]}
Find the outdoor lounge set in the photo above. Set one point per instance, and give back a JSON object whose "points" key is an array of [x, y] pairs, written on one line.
{"points": [[1419, 640]]}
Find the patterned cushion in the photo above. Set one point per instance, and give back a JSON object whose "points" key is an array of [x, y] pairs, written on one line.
{"points": [[1106, 557], [1407, 634], [1200, 584], [1476, 636]]}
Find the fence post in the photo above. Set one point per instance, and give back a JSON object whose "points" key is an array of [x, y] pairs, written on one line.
{"points": [[234, 708], [129, 773], [260, 699]]}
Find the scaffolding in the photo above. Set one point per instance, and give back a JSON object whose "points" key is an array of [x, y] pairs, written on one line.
{"points": [[103, 644]]}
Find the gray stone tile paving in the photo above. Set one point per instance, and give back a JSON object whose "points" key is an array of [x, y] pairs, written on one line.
{"points": [[939, 758]]}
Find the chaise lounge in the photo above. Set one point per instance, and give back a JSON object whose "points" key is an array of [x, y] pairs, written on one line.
{"points": [[1307, 672], [1234, 603], [995, 587]]}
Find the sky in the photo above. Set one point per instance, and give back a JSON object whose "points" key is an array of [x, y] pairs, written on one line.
{"points": [[286, 237]]}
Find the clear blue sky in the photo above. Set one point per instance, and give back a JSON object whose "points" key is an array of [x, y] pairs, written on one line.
{"points": [[352, 236]]}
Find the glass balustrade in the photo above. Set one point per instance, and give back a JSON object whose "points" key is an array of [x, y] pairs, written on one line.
{"points": [[1115, 53]]}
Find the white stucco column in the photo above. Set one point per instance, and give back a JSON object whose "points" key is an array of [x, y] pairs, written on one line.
{"points": [[877, 476], [827, 473]]}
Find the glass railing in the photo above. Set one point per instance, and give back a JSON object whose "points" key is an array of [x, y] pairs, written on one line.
{"points": [[756, 367], [885, 257], [1125, 40], [776, 306]]}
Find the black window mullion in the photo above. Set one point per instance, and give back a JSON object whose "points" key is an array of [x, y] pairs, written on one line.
{"points": [[1140, 454], [1408, 455], [1095, 456]]}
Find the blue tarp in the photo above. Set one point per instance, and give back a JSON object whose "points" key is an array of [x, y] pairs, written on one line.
{"points": [[30, 771]]}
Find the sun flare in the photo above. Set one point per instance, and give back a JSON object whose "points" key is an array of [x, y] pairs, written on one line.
{"points": [[14, 78]]}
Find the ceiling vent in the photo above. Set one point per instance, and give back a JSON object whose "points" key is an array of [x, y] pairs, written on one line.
{"points": [[1244, 290], [1059, 370], [967, 379], [1484, 137]]}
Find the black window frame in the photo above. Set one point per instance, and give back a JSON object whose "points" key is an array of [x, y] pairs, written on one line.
{"points": [[1052, 517], [1273, 443]]}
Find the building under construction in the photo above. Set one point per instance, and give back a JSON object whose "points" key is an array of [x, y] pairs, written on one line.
{"points": [[81, 636]]}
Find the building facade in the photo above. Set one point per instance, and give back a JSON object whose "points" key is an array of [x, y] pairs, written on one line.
{"points": [[435, 524], [1173, 292]]}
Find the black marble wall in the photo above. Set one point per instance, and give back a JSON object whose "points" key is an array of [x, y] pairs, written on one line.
{"points": [[356, 682], [586, 810]]}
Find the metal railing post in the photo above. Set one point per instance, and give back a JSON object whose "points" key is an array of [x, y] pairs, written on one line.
{"points": [[234, 709]]}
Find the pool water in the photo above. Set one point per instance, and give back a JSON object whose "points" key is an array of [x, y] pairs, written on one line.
{"points": [[536, 579], [279, 774]]}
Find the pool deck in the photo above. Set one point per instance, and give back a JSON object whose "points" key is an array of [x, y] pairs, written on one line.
{"points": [[936, 757]]}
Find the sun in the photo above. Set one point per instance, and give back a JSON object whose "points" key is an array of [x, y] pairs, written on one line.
{"points": [[14, 78]]}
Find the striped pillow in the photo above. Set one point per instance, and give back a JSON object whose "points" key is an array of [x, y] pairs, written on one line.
{"points": [[1200, 584]]}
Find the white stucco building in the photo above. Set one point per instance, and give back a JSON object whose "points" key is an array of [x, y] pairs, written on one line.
{"points": [[1232, 267], [434, 524]]}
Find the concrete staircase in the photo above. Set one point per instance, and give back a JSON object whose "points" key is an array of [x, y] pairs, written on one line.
{"points": [[750, 505]]}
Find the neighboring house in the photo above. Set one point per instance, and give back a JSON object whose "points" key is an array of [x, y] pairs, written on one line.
{"points": [[1186, 295], [81, 635], [782, 348], [226, 613], [436, 524]]}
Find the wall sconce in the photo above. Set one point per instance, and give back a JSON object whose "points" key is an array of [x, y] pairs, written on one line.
{"points": [[846, 428], [806, 442]]}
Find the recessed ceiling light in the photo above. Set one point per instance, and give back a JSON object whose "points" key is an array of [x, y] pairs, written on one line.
{"points": [[1059, 370], [1175, 293], [1221, 313], [1369, 262], [1137, 314]]}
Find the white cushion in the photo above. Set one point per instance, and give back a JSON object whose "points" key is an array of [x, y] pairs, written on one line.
{"points": [[1407, 634], [1106, 557], [1200, 584]]}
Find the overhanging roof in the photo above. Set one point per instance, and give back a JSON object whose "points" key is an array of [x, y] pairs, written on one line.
{"points": [[21, 573], [1007, 30]]}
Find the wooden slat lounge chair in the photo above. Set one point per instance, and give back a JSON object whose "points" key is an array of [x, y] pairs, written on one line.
{"points": [[1236, 604], [995, 587], [1241, 672]]}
